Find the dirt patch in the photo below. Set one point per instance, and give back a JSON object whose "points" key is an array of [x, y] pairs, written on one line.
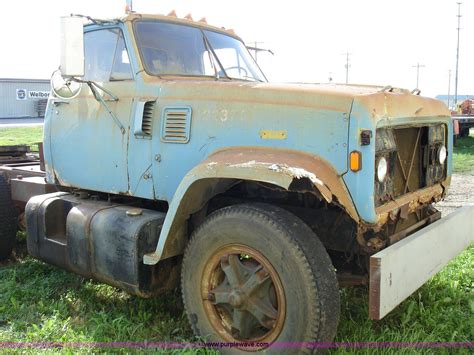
{"points": [[460, 193]]}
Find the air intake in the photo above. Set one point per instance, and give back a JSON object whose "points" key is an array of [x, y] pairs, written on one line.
{"points": [[176, 124], [148, 118], [143, 119]]}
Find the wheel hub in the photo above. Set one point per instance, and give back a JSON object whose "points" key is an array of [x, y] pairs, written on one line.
{"points": [[244, 296], [237, 298]]}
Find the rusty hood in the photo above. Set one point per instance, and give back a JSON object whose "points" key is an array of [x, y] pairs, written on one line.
{"points": [[380, 103]]}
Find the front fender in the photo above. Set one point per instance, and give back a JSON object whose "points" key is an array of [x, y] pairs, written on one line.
{"points": [[223, 168]]}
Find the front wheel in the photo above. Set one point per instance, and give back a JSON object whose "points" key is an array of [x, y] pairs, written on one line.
{"points": [[256, 273]]}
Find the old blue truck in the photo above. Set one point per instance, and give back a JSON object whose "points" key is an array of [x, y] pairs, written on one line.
{"points": [[169, 158]]}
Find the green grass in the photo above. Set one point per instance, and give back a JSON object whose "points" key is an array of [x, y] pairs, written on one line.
{"points": [[41, 303], [463, 157], [21, 135]]}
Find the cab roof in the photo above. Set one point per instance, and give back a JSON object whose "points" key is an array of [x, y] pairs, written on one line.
{"points": [[171, 17]]}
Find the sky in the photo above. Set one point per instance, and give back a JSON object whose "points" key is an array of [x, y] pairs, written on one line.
{"points": [[385, 39]]}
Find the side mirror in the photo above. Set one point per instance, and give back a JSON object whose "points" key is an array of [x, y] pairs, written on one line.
{"points": [[64, 88], [72, 47]]}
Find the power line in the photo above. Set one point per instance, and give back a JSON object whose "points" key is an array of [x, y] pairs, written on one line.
{"points": [[449, 87], [457, 56]]}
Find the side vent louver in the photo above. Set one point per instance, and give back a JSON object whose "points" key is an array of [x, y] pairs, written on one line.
{"points": [[176, 124], [148, 118], [143, 112]]}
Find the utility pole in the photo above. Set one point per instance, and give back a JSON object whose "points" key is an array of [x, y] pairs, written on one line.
{"points": [[129, 6], [256, 49], [256, 43], [347, 66], [449, 87], [457, 57], [418, 66]]}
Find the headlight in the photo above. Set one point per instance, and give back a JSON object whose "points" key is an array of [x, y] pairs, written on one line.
{"points": [[442, 154], [381, 169]]}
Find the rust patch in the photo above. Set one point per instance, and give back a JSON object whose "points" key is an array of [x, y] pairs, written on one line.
{"points": [[413, 200], [387, 105], [294, 164], [402, 207]]}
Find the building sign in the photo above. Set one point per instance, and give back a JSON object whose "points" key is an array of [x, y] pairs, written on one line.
{"points": [[21, 94], [38, 94]]}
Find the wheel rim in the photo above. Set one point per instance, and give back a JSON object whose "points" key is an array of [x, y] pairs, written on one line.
{"points": [[242, 295]]}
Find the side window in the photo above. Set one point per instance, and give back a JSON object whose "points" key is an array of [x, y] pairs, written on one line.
{"points": [[121, 69], [106, 57]]}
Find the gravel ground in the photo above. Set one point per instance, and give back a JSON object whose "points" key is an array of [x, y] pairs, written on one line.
{"points": [[460, 193]]}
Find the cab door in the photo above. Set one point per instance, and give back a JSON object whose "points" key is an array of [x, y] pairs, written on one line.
{"points": [[89, 138]]}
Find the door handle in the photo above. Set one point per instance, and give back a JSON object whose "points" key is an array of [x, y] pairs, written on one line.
{"points": [[60, 102]]}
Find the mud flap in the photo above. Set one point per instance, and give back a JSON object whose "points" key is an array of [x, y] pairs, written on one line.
{"points": [[399, 270]]}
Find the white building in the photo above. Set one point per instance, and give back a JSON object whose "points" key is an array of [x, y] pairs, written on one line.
{"points": [[23, 97]]}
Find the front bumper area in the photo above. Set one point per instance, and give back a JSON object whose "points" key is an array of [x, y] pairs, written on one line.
{"points": [[410, 202], [399, 270]]}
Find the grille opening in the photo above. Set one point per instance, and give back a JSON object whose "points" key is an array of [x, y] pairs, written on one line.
{"points": [[412, 157], [407, 139]]}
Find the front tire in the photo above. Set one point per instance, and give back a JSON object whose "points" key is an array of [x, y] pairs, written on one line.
{"points": [[257, 273], [8, 221]]}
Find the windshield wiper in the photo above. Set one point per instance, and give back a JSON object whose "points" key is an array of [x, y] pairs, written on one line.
{"points": [[216, 73], [216, 59]]}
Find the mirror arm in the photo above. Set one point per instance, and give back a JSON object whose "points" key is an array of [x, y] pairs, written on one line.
{"points": [[101, 100], [101, 88], [113, 97]]}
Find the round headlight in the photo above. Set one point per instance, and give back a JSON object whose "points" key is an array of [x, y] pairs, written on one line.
{"points": [[381, 169], [442, 154]]}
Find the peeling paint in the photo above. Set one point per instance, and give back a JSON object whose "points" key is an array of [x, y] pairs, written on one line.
{"points": [[295, 172], [300, 173]]}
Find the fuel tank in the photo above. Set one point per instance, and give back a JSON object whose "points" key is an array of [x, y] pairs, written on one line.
{"points": [[96, 239]]}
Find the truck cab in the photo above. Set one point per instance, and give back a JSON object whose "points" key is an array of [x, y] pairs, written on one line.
{"points": [[173, 157]]}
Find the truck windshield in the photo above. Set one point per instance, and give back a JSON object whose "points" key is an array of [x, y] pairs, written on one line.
{"points": [[174, 49]]}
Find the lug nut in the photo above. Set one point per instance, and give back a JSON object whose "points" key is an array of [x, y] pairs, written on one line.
{"points": [[270, 323]]}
